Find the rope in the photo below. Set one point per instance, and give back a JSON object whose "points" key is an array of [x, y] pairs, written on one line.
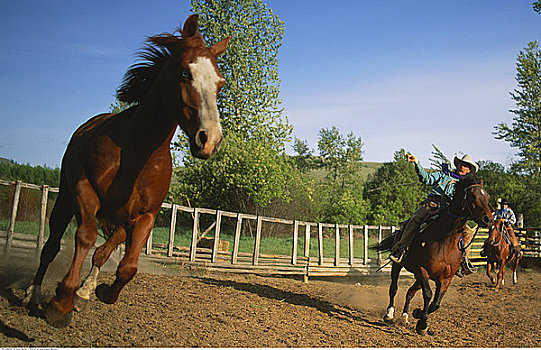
{"points": [[461, 242]]}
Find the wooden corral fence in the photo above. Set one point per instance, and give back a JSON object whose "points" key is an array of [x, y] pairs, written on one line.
{"points": [[215, 254]]}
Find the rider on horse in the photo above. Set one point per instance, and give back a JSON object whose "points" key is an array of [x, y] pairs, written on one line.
{"points": [[443, 184], [507, 215]]}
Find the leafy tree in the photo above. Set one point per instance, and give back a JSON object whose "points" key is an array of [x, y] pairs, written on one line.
{"points": [[525, 132], [537, 6], [394, 191], [119, 106], [244, 176], [249, 102], [251, 171], [438, 158], [304, 157], [341, 196]]}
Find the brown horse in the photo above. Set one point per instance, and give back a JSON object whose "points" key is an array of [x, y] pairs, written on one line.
{"points": [[117, 168], [498, 250], [437, 252]]}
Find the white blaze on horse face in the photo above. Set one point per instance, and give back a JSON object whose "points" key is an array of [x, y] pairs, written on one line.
{"points": [[205, 82]]}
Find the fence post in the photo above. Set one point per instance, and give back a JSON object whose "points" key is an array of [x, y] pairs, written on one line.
{"points": [[255, 258], [148, 250], [214, 255], [172, 229], [193, 247], [366, 244], [320, 241], [379, 241], [295, 239], [42, 217], [337, 246], [307, 242], [351, 251], [237, 239], [11, 229]]}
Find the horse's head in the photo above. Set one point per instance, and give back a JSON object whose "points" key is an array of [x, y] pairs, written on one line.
{"points": [[199, 80], [186, 80], [494, 231], [474, 200]]}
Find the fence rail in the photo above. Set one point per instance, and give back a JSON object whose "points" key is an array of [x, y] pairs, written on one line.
{"points": [[305, 262]]}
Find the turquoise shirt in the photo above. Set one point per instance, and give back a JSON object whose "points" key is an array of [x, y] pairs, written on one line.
{"points": [[441, 183]]}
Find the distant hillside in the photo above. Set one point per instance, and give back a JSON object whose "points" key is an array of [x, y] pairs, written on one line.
{"points": [[368, 168], [5, 160]]}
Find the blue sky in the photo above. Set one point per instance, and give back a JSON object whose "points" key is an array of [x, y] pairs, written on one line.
{"points": [[397, 73]]}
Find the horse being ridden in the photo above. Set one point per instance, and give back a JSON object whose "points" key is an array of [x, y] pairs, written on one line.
{"points": [[117, 167], [498, 250], [437, 252]]}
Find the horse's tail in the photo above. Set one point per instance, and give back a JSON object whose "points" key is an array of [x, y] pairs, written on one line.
{"points": [[386, 244]]}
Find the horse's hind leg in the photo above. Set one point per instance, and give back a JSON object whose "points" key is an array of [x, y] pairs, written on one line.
{"points": [[489, 272], [393, 288], [59, 220], [59, 310], [101, 255], [136, 238], [515, 268]]}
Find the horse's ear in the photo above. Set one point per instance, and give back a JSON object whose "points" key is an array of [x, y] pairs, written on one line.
{"points": [[482, 182], [190, 26], [218, 48]]}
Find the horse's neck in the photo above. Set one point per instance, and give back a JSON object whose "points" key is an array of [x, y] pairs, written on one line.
{"points": [[152, 125]]}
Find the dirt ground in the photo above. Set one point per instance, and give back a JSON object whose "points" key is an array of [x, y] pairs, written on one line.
{"points": [[165, 306]]}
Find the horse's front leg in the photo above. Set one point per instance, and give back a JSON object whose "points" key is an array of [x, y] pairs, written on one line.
{"points": [[100, 257], [422, 315], [409, 296], [136, 237], [393, 288], [441, 289], [501, 274]]}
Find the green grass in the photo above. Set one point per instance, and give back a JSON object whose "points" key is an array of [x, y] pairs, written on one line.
{"points": [[269, 245]]}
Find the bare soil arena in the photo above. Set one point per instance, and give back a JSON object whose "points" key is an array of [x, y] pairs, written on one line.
{"points": [[166, 306]]}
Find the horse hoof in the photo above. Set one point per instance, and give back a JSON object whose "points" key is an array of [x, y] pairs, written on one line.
{"points": [[55, 318], [515, 279], [103, 294], [404, 319], [387, 319], [421, 327], [79, 303]]}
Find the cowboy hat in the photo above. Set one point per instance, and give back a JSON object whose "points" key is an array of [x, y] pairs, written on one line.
{"points": [[467, 160]]}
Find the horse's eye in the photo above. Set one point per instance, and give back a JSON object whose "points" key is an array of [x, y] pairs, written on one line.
{"points": [[185, 74]]}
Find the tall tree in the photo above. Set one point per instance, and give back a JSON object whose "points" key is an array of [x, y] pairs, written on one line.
{"points": [[394, 191], [341, 195], [525, 131], [249, 103], [251, 170]]}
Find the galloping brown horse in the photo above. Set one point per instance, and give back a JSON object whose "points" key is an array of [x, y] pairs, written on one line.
{"points": [[497, 251], [117, 167], [437, 252]]}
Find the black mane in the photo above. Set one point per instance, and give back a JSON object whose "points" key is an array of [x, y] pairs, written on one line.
{"points": [[139, 78]]}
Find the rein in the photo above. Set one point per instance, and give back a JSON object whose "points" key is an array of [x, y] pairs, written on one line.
{"points": [[461, 246]]}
